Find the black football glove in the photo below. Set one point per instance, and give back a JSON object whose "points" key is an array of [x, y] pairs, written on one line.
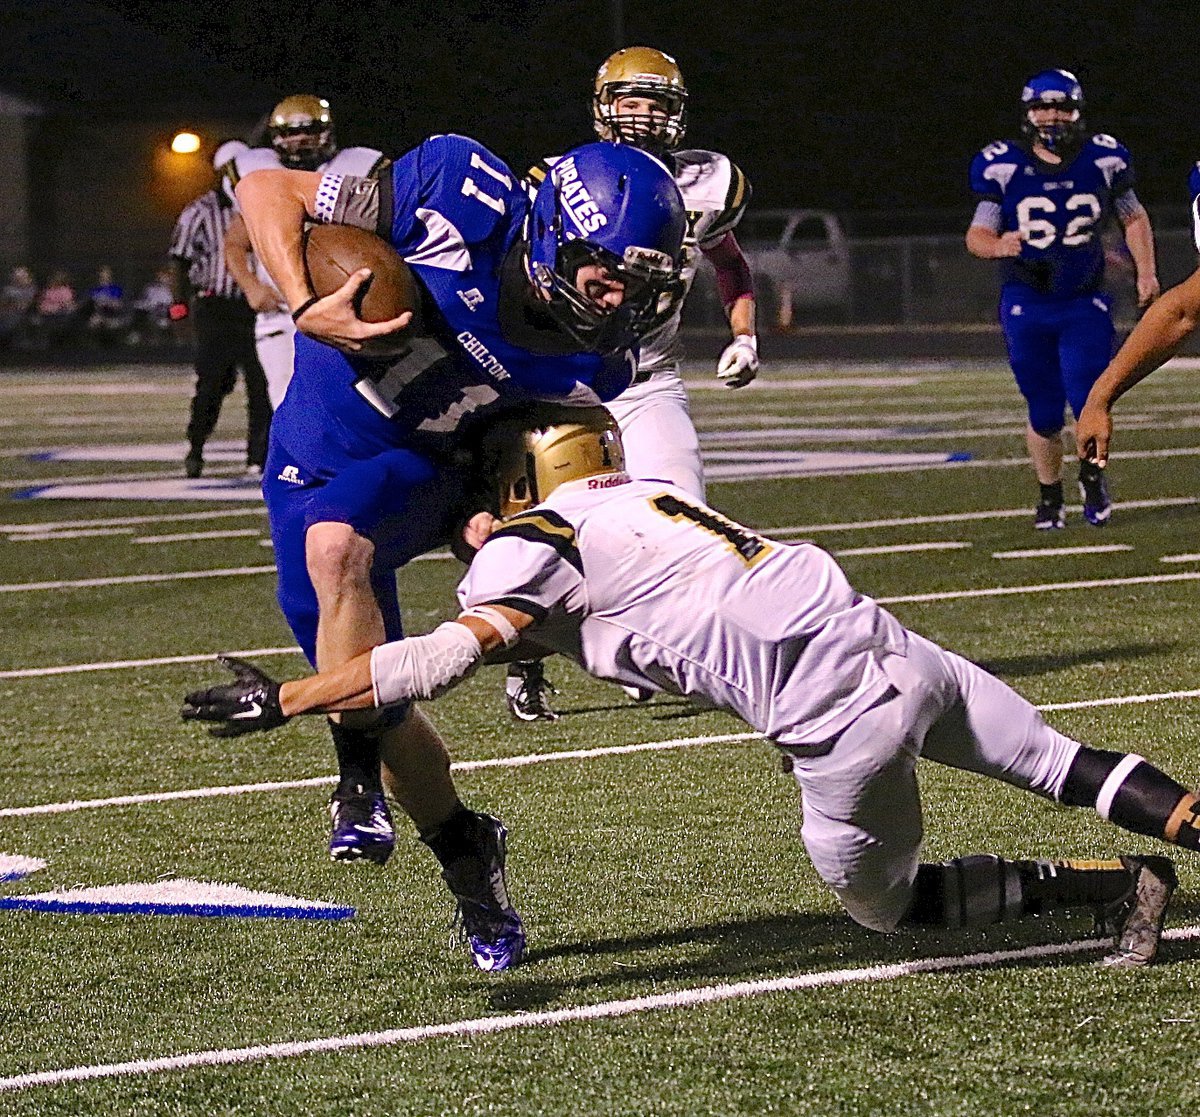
{"points": [[249, 704]]}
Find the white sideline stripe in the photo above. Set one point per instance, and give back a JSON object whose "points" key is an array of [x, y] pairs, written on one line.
{"points": [[1192, 557], [134, 579], [962, 517], [903, 548], [116, 664], [1056, 552], [605, 1010], [317, 781], [1045, 587], [193, 536], [133, 521]]}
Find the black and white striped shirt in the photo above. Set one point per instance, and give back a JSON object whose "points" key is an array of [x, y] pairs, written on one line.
{"points": [[199, 241]]}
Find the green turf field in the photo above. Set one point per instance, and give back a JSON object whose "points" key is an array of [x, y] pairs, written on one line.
{"points": [[684, 959]]}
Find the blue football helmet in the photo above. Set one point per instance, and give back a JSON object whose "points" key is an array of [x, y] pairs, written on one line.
{"points": [[1053, 89], [616, 206]]}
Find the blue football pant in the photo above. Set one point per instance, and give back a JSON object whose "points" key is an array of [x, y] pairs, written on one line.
{"points": [[1057, 351], [400, 500]]}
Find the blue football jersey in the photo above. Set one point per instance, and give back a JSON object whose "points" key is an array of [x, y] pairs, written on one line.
{"points": [[1059, 211], [1194, 198], [453, 210]]}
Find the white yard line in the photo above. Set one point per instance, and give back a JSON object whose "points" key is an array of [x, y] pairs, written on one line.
{"points": [[1057, 552], [135, 579], [1045, 587], [51, 536], [72, 805], [962, 517], [1190, 557], [194, 536], [134, 521], [902, 548], [216, 470], [316, 781], [693, 997], [120, 664]]}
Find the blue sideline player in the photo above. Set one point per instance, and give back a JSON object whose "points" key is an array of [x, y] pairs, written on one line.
{"points": [[520, 301], [1042, 204]]}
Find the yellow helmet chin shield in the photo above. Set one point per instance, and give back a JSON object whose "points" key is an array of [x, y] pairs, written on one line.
{"points": [[641, 72], [530, 456], [302, 131]]}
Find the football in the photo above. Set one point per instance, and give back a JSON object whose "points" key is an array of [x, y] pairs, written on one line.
{"points": [[332, 253]]}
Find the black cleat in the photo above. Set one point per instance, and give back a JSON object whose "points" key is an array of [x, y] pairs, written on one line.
{"points": [[1093, 489], [1049, 516], [361, 826], [490, 923], [526, 690], [1137, 917], [193, 464]]}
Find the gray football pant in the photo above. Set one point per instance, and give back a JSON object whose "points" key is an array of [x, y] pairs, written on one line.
{"points": [[862, 809]]}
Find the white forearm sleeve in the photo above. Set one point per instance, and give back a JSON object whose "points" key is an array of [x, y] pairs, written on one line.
{"points": [[424, 666]]}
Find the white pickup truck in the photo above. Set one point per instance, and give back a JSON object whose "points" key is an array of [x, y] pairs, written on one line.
{"points": [[800, 261]]}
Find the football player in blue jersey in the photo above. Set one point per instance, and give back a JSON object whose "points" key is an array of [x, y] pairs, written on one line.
{"points": [[520, 301], [1042, 202]]}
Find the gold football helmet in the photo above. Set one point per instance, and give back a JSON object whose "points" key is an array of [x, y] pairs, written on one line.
{"points": [[641, 72], [528, 457], [302, 131]]}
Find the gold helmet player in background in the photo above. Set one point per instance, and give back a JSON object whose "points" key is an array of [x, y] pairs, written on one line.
{"points": [[640, 74], [301, 129]]}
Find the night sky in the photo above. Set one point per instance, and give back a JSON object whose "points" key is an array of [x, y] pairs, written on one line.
{"points": [[864, 108]]}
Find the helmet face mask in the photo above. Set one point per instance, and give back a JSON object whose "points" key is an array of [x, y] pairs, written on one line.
{"points": [[1058, 90], [647, 75], [302, 132], [607, 218], [529, 457]]}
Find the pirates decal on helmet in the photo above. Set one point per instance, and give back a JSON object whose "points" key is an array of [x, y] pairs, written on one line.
{"points": [[640, 99], [618, 208]]}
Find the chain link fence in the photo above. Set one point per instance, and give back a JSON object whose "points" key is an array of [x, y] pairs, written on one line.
{"points": [[922, 281]]}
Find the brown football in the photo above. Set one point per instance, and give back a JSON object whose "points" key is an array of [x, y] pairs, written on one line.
{"points": [[332, 253]]}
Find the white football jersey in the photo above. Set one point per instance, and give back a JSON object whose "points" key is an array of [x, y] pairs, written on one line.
{"points": [[643, 585], [715, 193], [349, 161]]}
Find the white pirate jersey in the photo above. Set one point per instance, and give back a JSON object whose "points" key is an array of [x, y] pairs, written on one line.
{"points": [[715, 193], [360, 161], [641, 584]]}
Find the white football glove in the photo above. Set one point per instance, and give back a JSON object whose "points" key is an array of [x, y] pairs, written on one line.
{"points": [[739, 363]]}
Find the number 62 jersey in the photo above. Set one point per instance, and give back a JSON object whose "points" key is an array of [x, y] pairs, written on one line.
{"points": [[1059, 210]]}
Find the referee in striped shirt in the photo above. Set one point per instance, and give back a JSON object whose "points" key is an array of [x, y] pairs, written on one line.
{"points": [[223, 325]]}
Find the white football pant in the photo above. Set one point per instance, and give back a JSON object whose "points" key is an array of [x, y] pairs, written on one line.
{"points": [[657, 433], [862, 810]]}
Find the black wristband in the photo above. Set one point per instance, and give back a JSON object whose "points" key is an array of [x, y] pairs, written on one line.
{"points": [[304, 306]]}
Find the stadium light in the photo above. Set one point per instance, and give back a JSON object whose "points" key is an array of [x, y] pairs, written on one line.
{"points": [[185, 143]]}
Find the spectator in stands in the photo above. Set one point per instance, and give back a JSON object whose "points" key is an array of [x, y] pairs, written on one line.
{"points": [[109, 318], [17, 297], [151, 318], [56, 311]]}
